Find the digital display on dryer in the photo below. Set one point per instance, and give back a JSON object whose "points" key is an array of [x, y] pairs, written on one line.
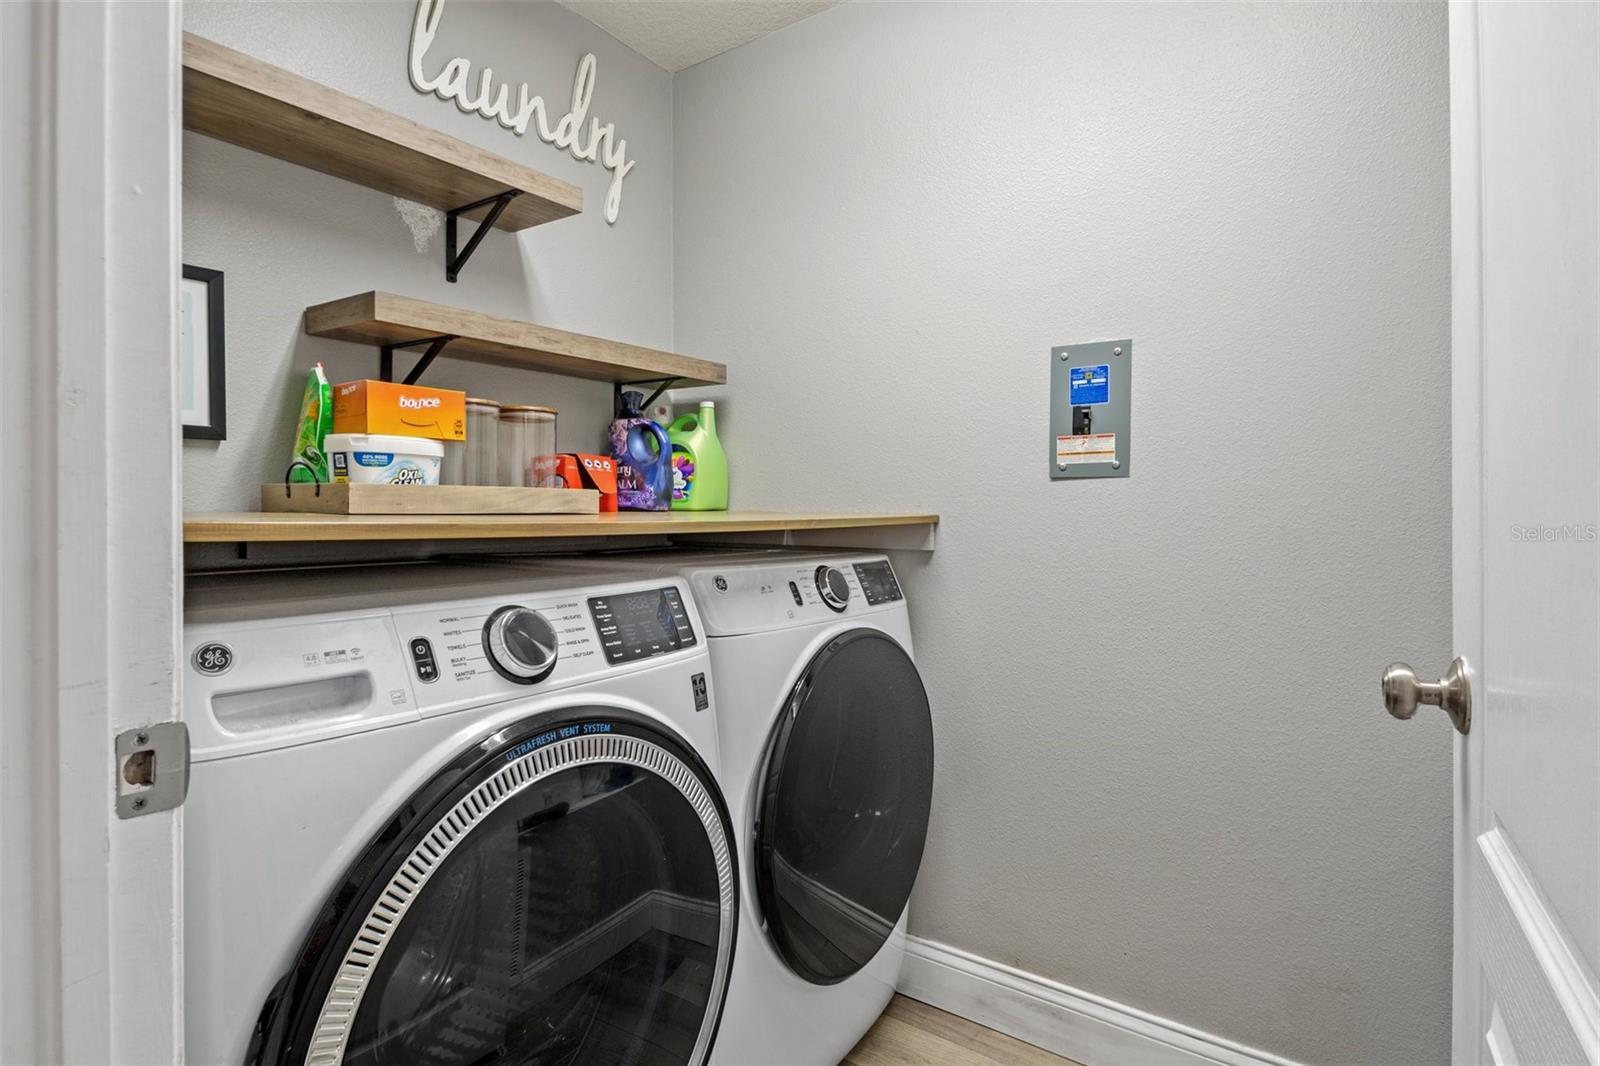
{"points": [[877, 583], [637, 625]]}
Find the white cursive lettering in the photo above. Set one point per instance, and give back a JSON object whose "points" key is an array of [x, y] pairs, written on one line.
{"points": [[454, 82]]}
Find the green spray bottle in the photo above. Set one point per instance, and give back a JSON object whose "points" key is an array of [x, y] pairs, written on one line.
{"points": [[310, 462], [699, 465]]}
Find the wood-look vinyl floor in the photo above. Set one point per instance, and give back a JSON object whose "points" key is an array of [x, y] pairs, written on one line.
{"points": [[914, 1034]]}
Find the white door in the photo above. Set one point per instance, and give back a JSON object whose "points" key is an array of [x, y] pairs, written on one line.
{"points": [[1525, 175]]}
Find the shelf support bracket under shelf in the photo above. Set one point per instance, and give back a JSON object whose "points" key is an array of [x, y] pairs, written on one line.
{"points": [[661, 384], [435, 346], [453, 262]]}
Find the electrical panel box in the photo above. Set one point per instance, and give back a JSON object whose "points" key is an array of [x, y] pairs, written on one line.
{"points": [[1090, 417]]}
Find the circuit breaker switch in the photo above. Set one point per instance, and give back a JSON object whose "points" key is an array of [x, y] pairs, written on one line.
{"points": [[1091, 419]]}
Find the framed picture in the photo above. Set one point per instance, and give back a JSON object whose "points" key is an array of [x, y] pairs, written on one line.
{"points": [[201, 355]]}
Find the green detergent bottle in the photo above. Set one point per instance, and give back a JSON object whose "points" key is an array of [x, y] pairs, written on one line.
{"points": [[699, 465]]}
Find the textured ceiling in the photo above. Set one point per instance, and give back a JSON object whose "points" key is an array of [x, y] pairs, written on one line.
{"points": [[675, 34]]}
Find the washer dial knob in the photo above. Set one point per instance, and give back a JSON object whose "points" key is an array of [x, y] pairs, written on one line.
{"points": [[521, 644], [833, 587]]}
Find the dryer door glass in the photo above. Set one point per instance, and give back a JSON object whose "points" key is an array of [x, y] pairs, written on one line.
{"points": [[570, 901], [843, 813]]}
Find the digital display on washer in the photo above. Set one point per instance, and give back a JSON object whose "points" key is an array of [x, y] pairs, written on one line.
{"points": [[637, 625], [877, 583]]}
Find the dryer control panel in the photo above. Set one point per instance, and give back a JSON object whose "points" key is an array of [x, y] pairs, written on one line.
{"points": [[747, 598], [878, 583]]}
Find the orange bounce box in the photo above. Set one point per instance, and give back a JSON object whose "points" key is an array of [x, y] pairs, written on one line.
{"points": [[387, 407], [574, 470]]}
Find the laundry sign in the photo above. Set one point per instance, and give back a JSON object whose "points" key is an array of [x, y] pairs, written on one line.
{"points": [[455, 81]]}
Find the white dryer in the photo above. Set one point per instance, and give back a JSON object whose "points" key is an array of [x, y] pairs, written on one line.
{"points": [[451, 815], [827, 763]]}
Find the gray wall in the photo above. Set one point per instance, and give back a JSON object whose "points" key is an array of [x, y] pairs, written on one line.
{"points": [[1164, 775], [287, 237]]}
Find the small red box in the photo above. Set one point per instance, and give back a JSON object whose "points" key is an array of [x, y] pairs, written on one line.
{"points": [[575, 470]]}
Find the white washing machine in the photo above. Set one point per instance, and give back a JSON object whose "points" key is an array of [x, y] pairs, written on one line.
{"points": [[827, 762], [451, 815]]}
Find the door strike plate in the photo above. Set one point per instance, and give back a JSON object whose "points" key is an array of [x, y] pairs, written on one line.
{"points": [[152, 769]]}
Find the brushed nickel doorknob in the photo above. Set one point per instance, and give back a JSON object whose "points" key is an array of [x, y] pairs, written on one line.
{"points": [[1403, 693]]}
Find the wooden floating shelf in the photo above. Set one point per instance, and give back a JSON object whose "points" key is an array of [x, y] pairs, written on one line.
{"points": [[236, 98], [258, 527], [347, 498], [384, 319]]}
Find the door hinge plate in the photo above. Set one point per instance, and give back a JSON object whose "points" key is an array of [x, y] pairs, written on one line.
{"points": [[152, 769]]}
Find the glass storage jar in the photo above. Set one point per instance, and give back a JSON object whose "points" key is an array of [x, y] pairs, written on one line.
{"points": [[481, 456], [527, 444], [453, 470]]}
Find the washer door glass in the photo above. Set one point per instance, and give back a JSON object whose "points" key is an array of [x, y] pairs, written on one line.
{"points": [[569, 901], [843, 811]]}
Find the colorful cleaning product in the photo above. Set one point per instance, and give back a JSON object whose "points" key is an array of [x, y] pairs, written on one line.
{"points": [[575, 470], [643, 455], [310, 461], [371, 459], [699, 465]]}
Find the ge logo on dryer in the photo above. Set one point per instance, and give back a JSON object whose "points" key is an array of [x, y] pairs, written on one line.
{"points": [[213, 658]]}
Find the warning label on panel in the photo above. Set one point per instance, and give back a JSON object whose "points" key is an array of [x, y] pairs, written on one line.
{"points": [[1089, 448]]}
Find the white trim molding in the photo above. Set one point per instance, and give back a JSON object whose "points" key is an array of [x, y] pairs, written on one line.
{"points": [[91, 923], [1079, 1025], [1467, 1024], [1552, 1009]]}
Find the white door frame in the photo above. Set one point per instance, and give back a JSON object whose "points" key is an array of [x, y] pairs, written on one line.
{"points": [[1466, 491], [90, 571]]}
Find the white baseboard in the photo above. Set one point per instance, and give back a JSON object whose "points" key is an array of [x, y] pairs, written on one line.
{"points": [[1083, 1027]]}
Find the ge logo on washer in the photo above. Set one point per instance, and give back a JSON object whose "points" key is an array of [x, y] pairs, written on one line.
{"points": [[721, 583], [213, 659]]}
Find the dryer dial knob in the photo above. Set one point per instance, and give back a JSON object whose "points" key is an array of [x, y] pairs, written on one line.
{"points": [[833, 587], [521, 644]]}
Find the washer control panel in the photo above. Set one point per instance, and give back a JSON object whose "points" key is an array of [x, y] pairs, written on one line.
{"points": [[249, 682], [637, 625], [480, 647], [465, 652]]}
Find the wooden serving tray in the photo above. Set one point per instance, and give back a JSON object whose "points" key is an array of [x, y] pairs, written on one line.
{"points": [[348, 499]]}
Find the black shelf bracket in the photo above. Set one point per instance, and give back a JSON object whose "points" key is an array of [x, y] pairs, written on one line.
{"points": [[661, 385], [435, 346], [453, 262]]}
